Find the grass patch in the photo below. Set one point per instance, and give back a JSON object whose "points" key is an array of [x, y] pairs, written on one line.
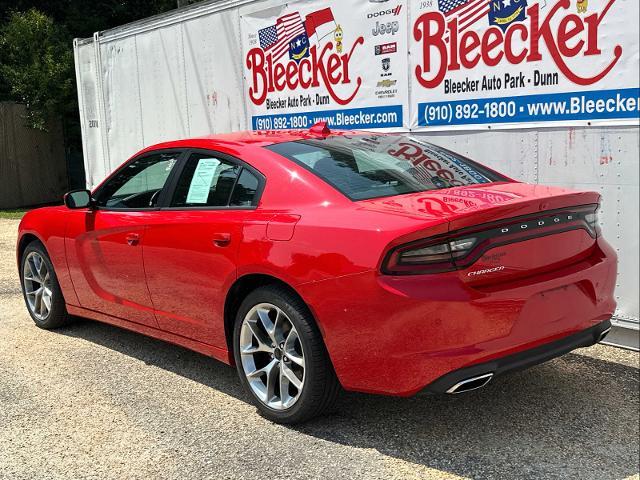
{"points": [[12, 214]]}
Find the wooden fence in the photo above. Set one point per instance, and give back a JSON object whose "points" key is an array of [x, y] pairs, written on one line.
{"points": [[33, 169]]}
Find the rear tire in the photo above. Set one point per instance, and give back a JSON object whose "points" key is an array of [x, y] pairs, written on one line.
{"points": [[40, 288], [281, 358]]}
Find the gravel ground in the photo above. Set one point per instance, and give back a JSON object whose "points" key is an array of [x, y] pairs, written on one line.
{"points": [[94, 401]]}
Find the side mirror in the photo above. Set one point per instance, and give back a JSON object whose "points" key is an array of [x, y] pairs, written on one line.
{"points": [[78, 199]]}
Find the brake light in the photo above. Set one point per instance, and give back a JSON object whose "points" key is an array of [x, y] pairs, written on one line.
{"points": [[462, 248], [436, 253], [427, 257], [593, 221]]}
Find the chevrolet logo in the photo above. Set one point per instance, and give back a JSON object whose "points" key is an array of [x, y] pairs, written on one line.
{"points": [[386, 83]]}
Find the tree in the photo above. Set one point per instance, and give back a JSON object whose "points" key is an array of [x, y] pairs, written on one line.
{"points": [[82, 18], [36, 66], [36, 49], [36, 57]]}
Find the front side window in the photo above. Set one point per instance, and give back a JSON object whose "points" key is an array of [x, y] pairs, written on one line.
{"points": [[139, 183], [372, 166], [209, 181]]}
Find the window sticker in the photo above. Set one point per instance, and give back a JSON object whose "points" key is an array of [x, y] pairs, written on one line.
{"points": [[202, 179]]}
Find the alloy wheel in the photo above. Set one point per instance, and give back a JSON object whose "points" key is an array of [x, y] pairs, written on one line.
{"points": [[36, 280], [272, 356]]}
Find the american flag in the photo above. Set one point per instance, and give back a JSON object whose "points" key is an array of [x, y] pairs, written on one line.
{"points": [[275, 39], [468, 12]]}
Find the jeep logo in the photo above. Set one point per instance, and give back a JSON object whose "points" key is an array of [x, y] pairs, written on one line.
{"points": [[385, 28]]}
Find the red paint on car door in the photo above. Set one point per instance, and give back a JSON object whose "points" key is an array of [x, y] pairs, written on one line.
{"points": [[104, 252], [190, 260]]}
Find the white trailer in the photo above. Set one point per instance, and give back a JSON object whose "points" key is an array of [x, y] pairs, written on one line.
{"points": [[178, 75]]}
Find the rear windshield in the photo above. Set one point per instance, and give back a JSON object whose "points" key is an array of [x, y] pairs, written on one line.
{"points": [[372, 166]]}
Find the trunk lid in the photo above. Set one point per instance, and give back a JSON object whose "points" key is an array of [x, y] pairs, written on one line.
{"points": [[477, 204], [519, 229]]}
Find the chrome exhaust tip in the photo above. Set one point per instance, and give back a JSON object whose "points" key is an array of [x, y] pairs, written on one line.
{"points": [[472, 383], [603, 334]]}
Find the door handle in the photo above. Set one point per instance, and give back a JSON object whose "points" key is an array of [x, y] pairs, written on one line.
{"points": [[221, 239], [133, 239]]}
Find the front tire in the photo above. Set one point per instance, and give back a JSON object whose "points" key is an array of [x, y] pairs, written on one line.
{"points": [[40, 288], [281, 358]]}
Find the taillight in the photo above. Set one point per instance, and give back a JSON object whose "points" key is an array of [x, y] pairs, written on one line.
{"points": [[593, 221], [462, 248], [436, 253], [427, 257]]}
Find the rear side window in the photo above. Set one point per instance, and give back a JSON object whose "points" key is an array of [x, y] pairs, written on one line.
{"points": [[209, 181], [371, 166], [245, 190]]}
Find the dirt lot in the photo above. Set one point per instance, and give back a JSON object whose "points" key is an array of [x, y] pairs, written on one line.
{"points": [[94, 401]]}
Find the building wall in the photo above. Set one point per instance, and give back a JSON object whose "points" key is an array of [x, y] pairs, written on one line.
{"points": [[33, 169]]}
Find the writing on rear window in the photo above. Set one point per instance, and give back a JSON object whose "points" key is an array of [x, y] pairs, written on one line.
{"points": [[371, 166]]}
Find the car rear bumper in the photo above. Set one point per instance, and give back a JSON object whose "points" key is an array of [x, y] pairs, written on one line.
{"points": [[518, 361], [397, 335]]}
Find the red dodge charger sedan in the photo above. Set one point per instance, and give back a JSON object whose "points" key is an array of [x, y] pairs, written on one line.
{"points": [[314, 260]]}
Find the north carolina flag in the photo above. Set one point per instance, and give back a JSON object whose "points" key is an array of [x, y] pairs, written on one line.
{"points": [[320, 23], [276, 38]]}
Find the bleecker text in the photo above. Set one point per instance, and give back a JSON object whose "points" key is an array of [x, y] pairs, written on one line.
{"points": [[325, 68], [574, 35]]}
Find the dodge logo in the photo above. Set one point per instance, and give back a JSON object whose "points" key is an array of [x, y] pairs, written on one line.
{"points": [[537, 223]]}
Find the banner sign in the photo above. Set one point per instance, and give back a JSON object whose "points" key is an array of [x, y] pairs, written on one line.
{"points": [[344, 62], [523, 63], [442, 64]]}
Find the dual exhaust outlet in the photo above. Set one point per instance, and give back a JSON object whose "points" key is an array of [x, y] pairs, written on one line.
{"points": [[479, 381], [604, 334], [472, 383]]}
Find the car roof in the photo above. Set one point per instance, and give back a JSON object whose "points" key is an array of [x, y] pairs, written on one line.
{"points": [[258, 138]]}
